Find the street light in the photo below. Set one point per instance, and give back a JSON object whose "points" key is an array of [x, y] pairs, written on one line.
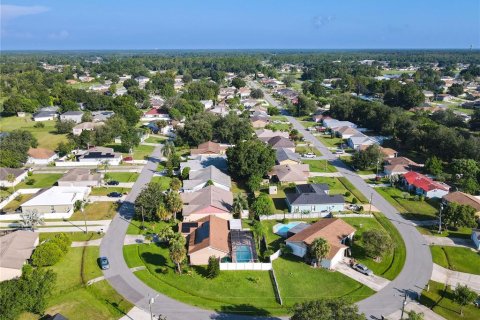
{"points": [[150, 302], [440, 219]]}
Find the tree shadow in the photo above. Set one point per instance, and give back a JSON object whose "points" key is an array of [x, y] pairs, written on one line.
{"points": [[250, 312], [155, 259]]}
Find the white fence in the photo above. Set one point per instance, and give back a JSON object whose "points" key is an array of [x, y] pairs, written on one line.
{"points": [[280, 216], [16, 194], [257, 266], [276, 255], [353, 215]]}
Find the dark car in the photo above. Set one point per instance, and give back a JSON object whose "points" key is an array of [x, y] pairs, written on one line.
{"points": [[104, 264], [363, 269], [114, 195], [113, 183]]}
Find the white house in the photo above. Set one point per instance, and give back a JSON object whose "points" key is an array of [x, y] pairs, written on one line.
{"points": [[208, 104], [41, 156], [56, 202], [18, 174], [99, 155], [335, 231], [360, 140], [314, 198], [89, 126], [155, 114], [75, 116], [44, 116]]}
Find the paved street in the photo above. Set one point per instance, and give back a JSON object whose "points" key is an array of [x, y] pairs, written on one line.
{"points": [[454, 278], [418, 265]]}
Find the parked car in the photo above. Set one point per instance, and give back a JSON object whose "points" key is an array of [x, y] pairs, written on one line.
{"points": [[363, 269], [309, 155], [114, 195], [113, 183], [104, 264], [339, 151]]}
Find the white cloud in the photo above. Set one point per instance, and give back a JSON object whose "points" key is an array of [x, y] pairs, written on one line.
{"points": [[321, 21], [9, 12], [59, 35]]}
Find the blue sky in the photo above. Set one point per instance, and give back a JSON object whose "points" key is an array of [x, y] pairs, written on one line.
{"points": [[256, 24]]}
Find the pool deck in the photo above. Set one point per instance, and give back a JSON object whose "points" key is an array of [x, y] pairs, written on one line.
{"points": [[243, 238]]}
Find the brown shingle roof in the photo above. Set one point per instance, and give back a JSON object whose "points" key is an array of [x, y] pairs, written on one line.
{"points": [[40, 153], [333, 230], [208, 147], [463, 198], [291, 172], [212, 232]]}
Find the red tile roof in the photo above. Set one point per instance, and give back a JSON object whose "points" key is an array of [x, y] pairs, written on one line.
{"points": [[423, 182]]}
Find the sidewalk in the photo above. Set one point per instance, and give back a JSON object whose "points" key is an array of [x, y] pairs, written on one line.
{"points": [[454, 278], [129, 239], [373, 282], [418, 308], [326, 174]]}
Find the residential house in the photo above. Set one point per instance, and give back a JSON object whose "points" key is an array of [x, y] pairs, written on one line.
{"points": [[208, 238], [476, 238], [208, 176], [244, 93], [444, 97], [142, 81], [80, 177], [314, 198], [157, 101], [18, 176], [101, 87], [423, 185], [203, 161], [16, 249], [281, 142], [210, 200], [220, 109], [56, 202], [463, 198], [99, 155], [399, 165], [102, 116], [41, 156], [290, 173], [208, 104], [75, 116], [334, 123], [287, 156], [259, 121], [388, 153], [346, 132], [226, 93], [89, 126], [208, 148], [44, 116], [155, 114], [360, 140], [335, 231], [319, 118], [267, 134]]}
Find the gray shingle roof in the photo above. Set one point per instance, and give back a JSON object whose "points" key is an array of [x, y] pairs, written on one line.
{"points": [[287, 154], [201, 177], [281, 142], [313, 198]]}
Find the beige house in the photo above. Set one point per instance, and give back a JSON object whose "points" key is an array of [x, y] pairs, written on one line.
{"points": [[209, 238], [56, 202], [18, 174], [463, 198], [259, 121], [16, 249], [291, 173], [80, 177], [210, 200], [41, 156], [88, 126]]}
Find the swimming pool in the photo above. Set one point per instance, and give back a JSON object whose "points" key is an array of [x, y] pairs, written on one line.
{"points": [[282, 229], [243, 254]]}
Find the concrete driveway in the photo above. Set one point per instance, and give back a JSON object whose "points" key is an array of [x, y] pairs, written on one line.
{"points": [[373, 282], [454, 278], [449, 242]]}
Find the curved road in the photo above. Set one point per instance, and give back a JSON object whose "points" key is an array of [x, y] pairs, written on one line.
{"points": [[418, 264], [412, 279]]}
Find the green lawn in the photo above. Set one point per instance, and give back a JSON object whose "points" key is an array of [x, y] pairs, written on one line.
{"points": [[278, 126], [155, 139], [141, 152], [410, 208], [306, 149], [463, 232], [299, 282], [17, 202], [46, 136], [320, 166], [308, 124], [392, 264], [340, 186], [70, 297], [74, 236], [104, 210], [103, 191], [123, 176], [245, 292], [350, 187], [40, 180], [163, 180], [279, 198], [328, 141], [150, 227], [439, 298], [458, 259], [278, 118]]}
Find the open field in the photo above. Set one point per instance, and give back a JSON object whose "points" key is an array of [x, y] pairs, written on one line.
{"points": [[96, 211], [46, 136], [123, 176]]}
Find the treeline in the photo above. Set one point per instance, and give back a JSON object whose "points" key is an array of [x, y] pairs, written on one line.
{"points": [[416, 133]]}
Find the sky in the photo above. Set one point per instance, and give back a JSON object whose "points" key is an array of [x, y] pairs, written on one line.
{"points": [[245, 24]]}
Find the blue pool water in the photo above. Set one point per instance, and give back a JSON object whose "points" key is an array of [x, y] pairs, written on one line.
{"points": [[243, 254], [282, 229]]}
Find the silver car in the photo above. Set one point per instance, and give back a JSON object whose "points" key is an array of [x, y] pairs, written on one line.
{"points": [[363, 269]]}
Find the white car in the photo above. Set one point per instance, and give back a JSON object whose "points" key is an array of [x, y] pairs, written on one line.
{"points": [[309, 155]]}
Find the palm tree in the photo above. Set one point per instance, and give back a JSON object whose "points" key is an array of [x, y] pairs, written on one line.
{"points": [[174, 202], [239, 204], [178, 253], [168, 149], [162, 213], [319, 249], [11, 179], [258, 230], [175, 184]]}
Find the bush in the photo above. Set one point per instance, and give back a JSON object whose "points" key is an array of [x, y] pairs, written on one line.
{"points": [[47, 254], [30, 182], [163, 270], [63, 241], [213, 268], [348, 194], [267, 253], [19, 198], [39, 125], [354, 201]]}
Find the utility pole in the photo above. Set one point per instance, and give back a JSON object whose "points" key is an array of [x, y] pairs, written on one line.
{"points": [[371, 199], [404, 304], [84, 217], [440, 219]]}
